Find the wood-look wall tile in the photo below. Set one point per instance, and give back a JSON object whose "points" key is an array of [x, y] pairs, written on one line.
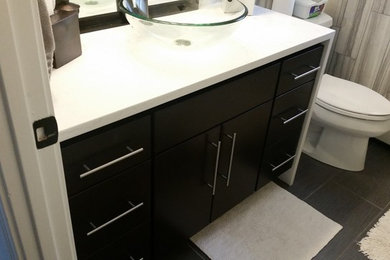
{"points": [[345, 21], [379, 6], [329, 65], [365, 8], [382, 7], [264, 3], [268, 4], [373, 50], [382, 82], [354, 23], [386, 9], [336, 8], [341, 66], [260, 3]]}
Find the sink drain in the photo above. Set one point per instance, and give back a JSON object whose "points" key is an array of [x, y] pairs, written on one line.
{"points": [[182, 42]]}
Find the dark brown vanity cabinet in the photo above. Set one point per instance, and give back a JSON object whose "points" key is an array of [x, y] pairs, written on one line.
{"points": [[200, 179], [201, 174], [293, 95], [299, 68], [169, 172], [94, 157], [242, 141], [108, 176], [183, 179]]}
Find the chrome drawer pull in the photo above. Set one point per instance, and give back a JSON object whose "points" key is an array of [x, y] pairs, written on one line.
{"points": [[313, 69], [274, 168], [111, 162], [114, 219], [231, 157], [218, 146], [302, 112]]}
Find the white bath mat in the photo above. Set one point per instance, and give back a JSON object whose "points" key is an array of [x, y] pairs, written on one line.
{"points": [[271, 224], [376, 245]]}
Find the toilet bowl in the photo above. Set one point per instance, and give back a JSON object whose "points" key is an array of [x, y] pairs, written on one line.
{"points": [[345, 116]]}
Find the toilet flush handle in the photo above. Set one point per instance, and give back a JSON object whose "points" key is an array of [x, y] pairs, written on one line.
{"points": [[313, 69]]}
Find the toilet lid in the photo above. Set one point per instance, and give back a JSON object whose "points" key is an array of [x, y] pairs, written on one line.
{"points": [[352, 99]]}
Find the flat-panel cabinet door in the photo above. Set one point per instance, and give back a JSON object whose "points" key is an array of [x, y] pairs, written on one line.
{"points": [[183, 181], [242, 142]]}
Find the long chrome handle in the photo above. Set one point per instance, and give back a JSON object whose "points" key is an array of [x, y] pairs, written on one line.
{"points": [[290, 157], [114, 219], [89, 172], [231, 157], [218, 146], [302, 112], [132, 258], [313, 69]]}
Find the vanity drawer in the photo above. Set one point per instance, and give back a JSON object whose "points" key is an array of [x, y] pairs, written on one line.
{"points": [[288, 113], [195, 114], [277, 159], [110, 209], [105, 152], [299, 69], [135, 245]]}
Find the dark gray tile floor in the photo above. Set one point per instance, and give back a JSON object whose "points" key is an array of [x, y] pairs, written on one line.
{"points": [[356, 200]]}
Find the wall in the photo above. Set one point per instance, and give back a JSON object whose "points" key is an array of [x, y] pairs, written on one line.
{"points": [[362, 47]]}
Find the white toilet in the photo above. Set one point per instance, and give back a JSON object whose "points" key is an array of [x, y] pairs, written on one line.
{"points": [[345, 116]]}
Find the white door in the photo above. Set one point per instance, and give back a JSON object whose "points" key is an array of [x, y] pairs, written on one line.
{"points": [[32, 187]]}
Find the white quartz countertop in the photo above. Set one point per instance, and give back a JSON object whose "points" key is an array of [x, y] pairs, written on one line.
{"points": [[122, 73]]}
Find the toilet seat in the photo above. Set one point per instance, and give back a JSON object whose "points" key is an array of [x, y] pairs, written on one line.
{"points": [[352, 99]]}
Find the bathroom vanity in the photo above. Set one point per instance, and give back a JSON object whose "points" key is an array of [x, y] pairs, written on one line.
{"points": [[158, 141]]}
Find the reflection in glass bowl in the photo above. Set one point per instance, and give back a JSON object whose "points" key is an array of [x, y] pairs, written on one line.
{"points": [[211, 22]]}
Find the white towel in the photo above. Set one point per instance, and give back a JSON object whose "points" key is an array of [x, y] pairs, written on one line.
{"points": [[47, 33]]}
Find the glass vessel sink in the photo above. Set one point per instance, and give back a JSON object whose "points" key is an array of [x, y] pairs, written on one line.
{"points": [[193, 22]]}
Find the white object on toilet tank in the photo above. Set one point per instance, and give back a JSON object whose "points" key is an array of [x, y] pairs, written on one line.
{"points": [[308, 8], [283, 6]]}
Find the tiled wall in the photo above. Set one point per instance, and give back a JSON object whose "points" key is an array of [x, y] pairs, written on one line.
{"points": [[362, 46], [264, 3], [361, 51]]}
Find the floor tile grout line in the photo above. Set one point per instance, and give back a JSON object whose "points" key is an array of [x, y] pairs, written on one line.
{"points": [[371, 224], [352, 192], [361, 197], [317, 189], [365, 229], [367, 201], [355, 240], [374, 221], [345, 249]]}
